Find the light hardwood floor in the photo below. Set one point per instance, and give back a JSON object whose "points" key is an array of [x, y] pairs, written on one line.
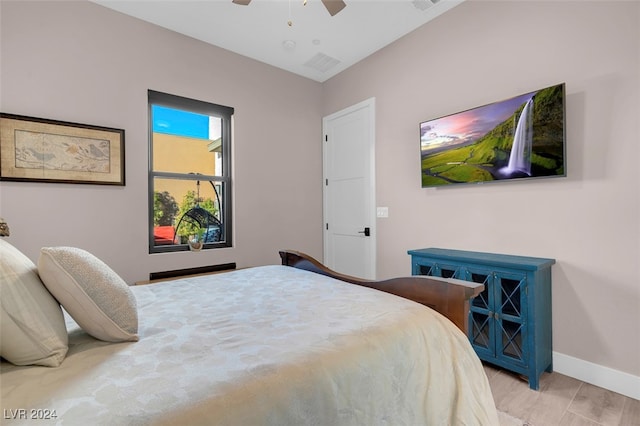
{"points": [[561, 401]]}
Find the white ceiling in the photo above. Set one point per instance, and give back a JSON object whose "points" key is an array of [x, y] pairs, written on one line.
{"points": [[315, 39]]}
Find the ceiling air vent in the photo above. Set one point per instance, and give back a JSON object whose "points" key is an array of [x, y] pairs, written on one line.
{"points": [[322, 62], [424, 4]]}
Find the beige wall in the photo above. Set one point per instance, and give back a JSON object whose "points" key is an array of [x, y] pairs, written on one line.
{"points": [[80, 62], [484, 51], [77, 61]]}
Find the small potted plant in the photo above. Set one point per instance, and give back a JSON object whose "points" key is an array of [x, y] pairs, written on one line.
{"points": [[196, 242]]}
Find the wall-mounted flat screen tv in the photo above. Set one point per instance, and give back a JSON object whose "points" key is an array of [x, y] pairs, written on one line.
{"points": [[519, 138]]}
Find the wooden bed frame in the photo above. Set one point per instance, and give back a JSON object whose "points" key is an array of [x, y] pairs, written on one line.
{"points": [[450, 297]]}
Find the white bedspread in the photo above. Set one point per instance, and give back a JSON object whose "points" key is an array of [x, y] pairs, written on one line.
{"points": [[270, 345]]}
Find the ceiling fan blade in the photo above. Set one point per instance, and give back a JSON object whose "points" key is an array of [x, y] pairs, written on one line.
{"points": [[242, 2], [333, 6]]}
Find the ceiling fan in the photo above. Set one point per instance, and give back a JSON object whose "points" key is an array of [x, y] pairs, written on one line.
{"points": [[332, 6]]}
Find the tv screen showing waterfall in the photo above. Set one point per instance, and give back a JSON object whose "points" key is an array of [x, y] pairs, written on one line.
{"points": [[518, 138]]}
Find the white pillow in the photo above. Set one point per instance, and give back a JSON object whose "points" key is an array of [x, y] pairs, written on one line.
{"points": [[32, 328], [91, 292]]}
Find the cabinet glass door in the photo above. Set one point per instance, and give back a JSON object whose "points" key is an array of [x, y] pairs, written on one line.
{"points": [[436, 269], [448, 271], [481, 329], [426, 269], [510, 305]]}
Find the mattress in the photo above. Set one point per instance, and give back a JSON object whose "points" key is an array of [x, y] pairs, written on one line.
{"points": [[270, 345]]}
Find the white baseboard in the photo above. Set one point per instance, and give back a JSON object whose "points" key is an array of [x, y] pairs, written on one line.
{"points": [[598, 375]]}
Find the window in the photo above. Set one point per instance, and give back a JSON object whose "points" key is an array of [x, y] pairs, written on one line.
{"points": [[189, 173]]}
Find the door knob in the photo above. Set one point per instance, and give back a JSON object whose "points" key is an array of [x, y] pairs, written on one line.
{"points": [[366, 232]]}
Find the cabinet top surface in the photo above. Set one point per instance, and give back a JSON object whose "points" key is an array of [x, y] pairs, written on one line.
{"points": [[508, 260]]}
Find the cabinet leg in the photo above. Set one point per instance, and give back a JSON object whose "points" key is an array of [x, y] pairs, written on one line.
{"points": [[534, 383]]}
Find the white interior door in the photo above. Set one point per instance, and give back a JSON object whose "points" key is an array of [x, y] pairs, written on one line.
{"points": [[349, 190]]}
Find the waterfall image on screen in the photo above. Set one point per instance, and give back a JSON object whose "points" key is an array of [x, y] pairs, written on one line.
{"points": [[521, 137], [520, 156]]}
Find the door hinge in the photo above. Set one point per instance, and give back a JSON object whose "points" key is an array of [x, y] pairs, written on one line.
{"points": [[326, 182], [327, 226], [326, 138]]}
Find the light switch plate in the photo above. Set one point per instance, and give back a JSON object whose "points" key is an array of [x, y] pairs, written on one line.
{"points": [[383, 211]]}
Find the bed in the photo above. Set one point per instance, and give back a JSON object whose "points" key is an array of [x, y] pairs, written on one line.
{"points": [[288, 344]]}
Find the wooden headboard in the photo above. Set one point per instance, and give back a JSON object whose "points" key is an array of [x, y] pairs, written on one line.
{"points": [[450, 297]]}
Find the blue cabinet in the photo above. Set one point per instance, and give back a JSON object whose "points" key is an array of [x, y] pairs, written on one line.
{"points": [[510, 321]]}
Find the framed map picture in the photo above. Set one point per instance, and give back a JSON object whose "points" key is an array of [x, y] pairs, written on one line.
{"points": [[41, 150]]}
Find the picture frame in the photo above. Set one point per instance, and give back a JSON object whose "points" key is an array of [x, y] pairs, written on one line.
{"points": [[42, 150]]}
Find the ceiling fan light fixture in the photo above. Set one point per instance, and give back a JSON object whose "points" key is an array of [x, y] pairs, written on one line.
{"points": [[332, 6]]}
